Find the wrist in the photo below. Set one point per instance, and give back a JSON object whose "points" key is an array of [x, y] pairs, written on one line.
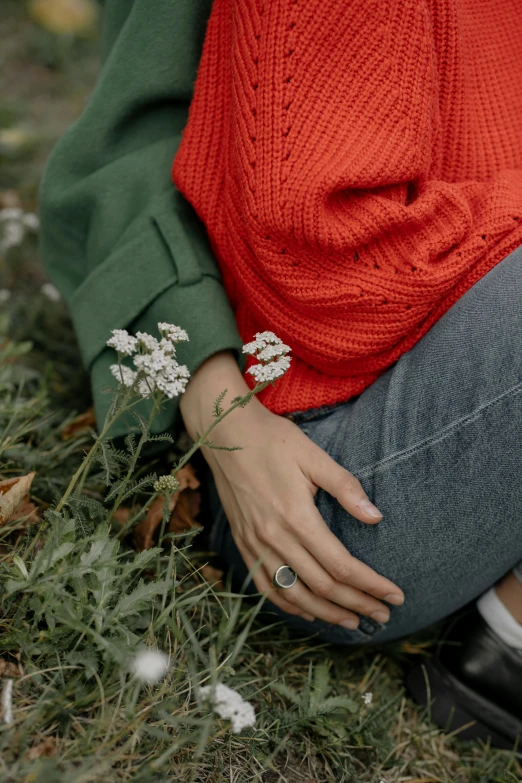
{"points": [[220, 371]]}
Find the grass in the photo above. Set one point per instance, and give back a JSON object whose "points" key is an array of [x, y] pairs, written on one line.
{"points": [[77, 600]]}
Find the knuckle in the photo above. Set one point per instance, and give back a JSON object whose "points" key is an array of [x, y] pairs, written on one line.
{"points": [[294, 519], [348, 483], [249, 536], [343, 572], [323, 587], [266, 533]]}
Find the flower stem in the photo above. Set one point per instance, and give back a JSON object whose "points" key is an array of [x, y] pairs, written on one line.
{"points": [[201, 440], [109, 421], [132, 464]]}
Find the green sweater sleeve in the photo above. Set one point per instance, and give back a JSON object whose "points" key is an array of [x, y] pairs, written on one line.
{"points": [[121, 244]]}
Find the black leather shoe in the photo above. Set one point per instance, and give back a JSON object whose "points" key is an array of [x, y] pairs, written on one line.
{"points": [[473, 681]]}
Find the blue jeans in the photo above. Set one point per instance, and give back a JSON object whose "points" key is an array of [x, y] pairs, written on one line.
{"points": [[436, 442]]}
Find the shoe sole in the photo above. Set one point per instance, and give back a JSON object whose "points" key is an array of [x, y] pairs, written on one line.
{"points": [[454, 705]]}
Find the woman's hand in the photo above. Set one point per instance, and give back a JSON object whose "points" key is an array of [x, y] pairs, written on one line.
{"points": [[267, 491]]}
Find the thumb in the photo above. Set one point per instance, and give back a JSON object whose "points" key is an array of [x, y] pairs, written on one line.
{"points": [[344, 487]]}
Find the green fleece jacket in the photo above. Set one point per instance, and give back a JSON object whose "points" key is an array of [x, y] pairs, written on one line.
{"points": [[121, 244]]}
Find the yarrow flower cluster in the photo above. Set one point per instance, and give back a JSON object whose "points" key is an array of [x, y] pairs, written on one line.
{"points": [[14, 224], [150, 665], [154, 360], [229, 704], [367, 698], [271, 352], [166, 485]]}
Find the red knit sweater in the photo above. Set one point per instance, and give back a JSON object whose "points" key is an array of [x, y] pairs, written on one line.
{"points": [[358, 166]]}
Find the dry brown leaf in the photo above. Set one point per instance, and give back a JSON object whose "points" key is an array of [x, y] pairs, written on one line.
{"points": [[187, 478], [8, 669], [28, 510], [122, 514], [12, 493], [45, 748], [214, 576], [184, 514], [188, 483], [144, 530], [80, 424]]}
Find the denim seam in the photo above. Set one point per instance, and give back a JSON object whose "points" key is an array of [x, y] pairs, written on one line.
{"points": [[392, 459]]}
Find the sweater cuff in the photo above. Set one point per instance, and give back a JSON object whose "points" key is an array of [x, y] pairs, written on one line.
{"points": [[204, 311]]}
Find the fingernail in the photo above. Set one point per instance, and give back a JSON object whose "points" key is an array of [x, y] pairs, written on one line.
{"points": [[369, 509], [394, 598], [381, 617], [351, 623], [308, 617]]}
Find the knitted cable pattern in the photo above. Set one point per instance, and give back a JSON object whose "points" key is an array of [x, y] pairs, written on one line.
{"points": [[358, 167]]}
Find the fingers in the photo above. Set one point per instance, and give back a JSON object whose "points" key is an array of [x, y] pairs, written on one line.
{"points": [[298, 599], [264, 585], [315, 592], [315, 536], [322, 583], [344, 487]]}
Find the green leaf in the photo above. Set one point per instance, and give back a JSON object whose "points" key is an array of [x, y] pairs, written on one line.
{"points": [[335, 703], [320, 684], [138, 599], [58, 554], [140, 560], [95, 552], [288, 693], [218, 410]]}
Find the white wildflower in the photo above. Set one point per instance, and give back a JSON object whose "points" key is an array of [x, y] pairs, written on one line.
{"points": [[50, 292], [162, 373], [145, 388], [150, 665], [271, 371], [31, 221], [11, 213], [167, 346], [14, 226], [153, 362], [271, 352], [174, 333], [13, 233], [166, 484], [5, 295], [122, 342], [147, 340], [156, 367], [123, 374], [229, 704], [7, 701], [367, 698], [262, 339]]}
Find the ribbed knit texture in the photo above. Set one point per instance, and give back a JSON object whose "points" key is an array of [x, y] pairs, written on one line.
{"points": [[358, 166]]}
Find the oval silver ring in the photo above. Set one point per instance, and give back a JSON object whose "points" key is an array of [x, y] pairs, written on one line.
{"points": [[284, 577]]}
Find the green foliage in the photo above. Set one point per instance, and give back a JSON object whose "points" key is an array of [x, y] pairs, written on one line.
{"points": [[312, 701], [218, 408], [78, 602]]}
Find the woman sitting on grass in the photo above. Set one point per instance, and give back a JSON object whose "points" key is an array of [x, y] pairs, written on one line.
{"points": [[349, 176]]}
